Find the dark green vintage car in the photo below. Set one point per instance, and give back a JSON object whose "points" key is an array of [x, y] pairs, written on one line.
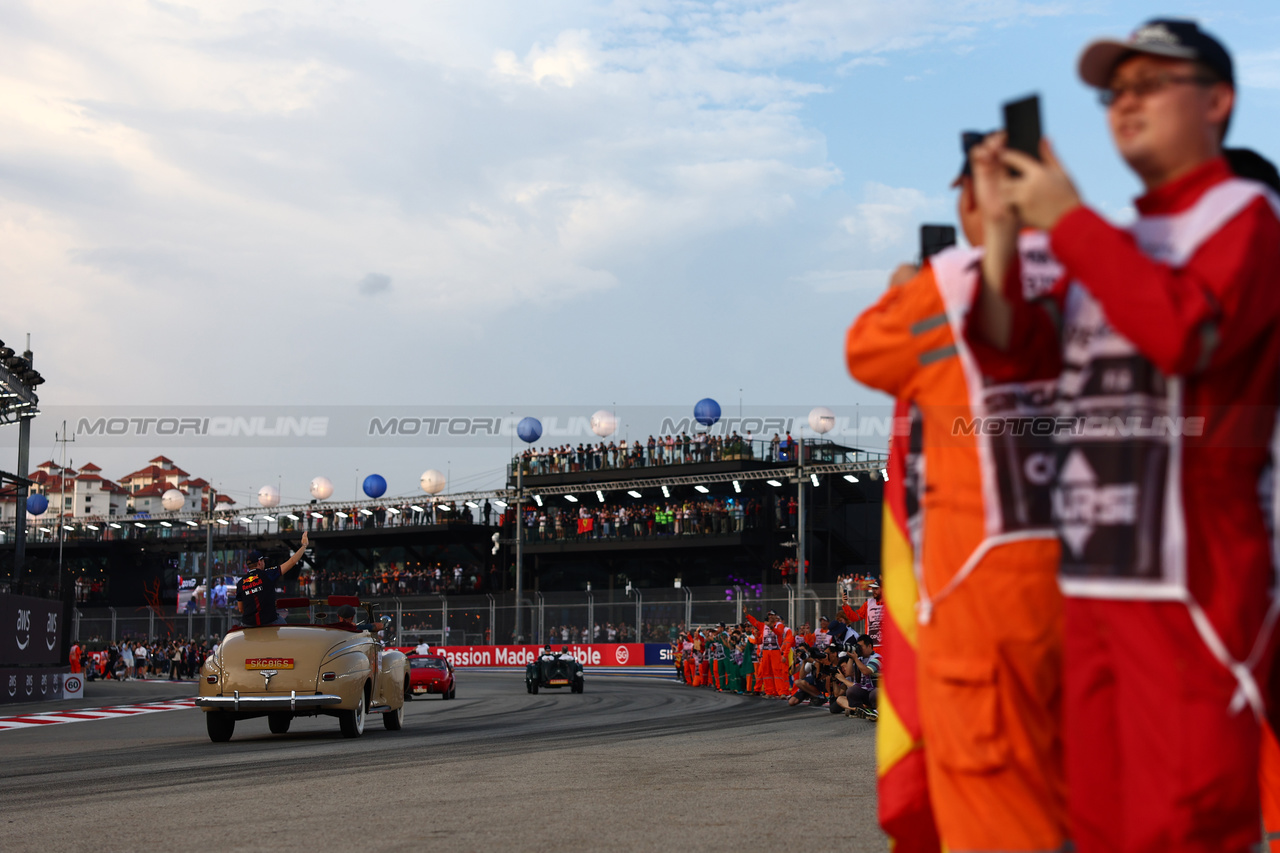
{"points": [[554, 669]]}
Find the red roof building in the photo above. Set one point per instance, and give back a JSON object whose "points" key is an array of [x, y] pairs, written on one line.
{"points": [[90, 495]]}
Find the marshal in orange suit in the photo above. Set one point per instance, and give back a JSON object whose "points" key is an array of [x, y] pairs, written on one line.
{"points": [[990, 633], [773, 639]]}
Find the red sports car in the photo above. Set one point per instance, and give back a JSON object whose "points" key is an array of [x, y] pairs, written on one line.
{"points": [[430, 674]]}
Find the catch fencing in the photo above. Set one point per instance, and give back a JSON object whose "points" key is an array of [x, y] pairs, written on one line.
{"points": [[490, 619]]}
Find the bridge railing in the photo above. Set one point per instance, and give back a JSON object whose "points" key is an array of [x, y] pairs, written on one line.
{"points": [[286, 520]]}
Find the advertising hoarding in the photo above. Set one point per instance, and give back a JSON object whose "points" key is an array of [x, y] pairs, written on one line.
{"points": [[30, 630]]}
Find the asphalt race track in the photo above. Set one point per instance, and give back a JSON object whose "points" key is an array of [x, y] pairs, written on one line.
{"points": [[632, 764]]}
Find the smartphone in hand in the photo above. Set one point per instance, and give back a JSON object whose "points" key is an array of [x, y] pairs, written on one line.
{"points": [[1022, 125], [935, 238]]}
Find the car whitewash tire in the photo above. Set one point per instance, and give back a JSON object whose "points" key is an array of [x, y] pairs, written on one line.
{"points": [[393, 720], [352, 722], [279, 722], [220, 725]]}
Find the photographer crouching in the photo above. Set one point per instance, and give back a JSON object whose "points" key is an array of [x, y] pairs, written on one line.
{"points": [[811, 676], [858, 674]]}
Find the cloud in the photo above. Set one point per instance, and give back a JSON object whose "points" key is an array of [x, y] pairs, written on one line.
{"points": [[844, 281], [500, 160], [565, 63], [887, 213], [374, 283], [1260, 69]]}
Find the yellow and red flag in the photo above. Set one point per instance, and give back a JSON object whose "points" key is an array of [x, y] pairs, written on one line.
{"points": [[906, 813]]}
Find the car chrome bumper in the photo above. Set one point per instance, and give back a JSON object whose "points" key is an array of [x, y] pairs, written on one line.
{"points": [[292, 702]]}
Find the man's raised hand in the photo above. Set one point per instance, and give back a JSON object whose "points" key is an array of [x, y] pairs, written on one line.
{"points": [[1043, 192]]}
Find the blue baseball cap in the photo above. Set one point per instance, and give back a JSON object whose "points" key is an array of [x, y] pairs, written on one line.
{"points": [[1173, 38]]}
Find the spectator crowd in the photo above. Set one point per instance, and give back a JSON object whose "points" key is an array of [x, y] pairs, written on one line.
{"points": [[833, 665], [705, 517], [140, 660], [682, 449]]}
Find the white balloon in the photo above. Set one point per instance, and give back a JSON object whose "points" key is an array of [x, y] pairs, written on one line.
{"points": [[603, 423], [269, 496], [321, 488], [432, 481], [173, 500], [821, 420]]}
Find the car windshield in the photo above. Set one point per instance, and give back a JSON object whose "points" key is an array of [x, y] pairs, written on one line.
{"points": [[428, 663]]}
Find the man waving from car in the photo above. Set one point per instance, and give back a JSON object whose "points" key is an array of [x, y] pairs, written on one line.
{"points": [[256, 591]]}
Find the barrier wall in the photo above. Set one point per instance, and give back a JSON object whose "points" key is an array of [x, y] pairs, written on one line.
{"points": [[600, 654], [39, 684]]}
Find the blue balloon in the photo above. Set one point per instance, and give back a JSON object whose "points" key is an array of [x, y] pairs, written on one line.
{"points": [[37, 504], [529, 430], [375, 486], [706, 411]]}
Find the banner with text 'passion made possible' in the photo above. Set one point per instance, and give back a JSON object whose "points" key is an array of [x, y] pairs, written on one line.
{"points": [[602, 654]]}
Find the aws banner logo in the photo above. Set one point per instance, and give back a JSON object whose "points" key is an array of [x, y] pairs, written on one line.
{"points": [[30, 630]]}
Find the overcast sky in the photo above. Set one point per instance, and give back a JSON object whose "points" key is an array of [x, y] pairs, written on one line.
{"points": [[516, 204]]}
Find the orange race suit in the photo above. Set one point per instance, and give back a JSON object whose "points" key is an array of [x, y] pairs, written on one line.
{"points": [[687, 661], [990, 639], [771, 643]]}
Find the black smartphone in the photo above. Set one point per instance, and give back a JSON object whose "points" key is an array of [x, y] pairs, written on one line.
{"points": [[935, 238], [1022, 125]]}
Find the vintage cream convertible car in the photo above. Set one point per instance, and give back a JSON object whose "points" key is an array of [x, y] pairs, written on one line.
{"points": [[313, 665]]}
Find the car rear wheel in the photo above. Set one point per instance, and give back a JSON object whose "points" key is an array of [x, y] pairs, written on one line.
{"points": [[279, 723], [352, 722], [393, 720], [578, 685], [220, 726], [453, 692], [533, 687]]}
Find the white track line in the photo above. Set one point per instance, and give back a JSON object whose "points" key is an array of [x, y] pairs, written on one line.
{"points": [[84, 715]]}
